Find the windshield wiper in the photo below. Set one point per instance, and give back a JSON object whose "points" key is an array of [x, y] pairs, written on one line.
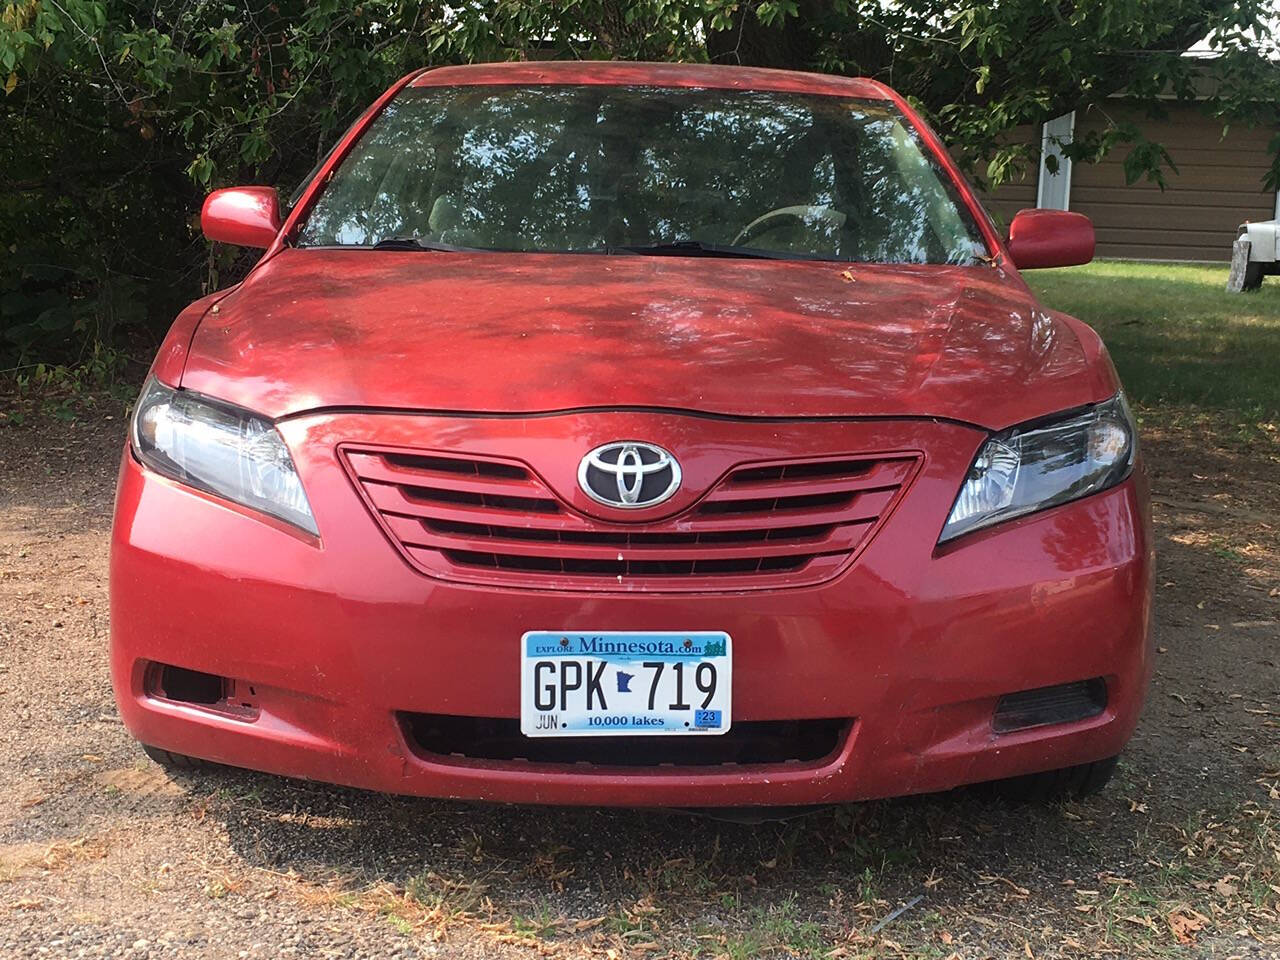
{"points": [[696, 248], [418, 243], [666, 248]]}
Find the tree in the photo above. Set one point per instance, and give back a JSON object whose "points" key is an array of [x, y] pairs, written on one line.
{"points": [[976, 69], [118, 119], [120, 116]]}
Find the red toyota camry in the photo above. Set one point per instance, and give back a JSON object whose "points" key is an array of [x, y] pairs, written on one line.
{"points": [[635, 434]]}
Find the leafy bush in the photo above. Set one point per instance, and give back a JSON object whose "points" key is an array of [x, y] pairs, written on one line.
{"points": [[125, 115]]}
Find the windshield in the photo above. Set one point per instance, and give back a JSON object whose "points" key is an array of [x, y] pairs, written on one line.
{"points": [[606, 168]]}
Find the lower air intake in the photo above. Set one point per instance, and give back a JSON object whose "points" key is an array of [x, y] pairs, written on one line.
{"points": [[460, 739]]}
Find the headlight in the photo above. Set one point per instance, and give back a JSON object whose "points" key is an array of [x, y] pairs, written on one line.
{"points": [[1030, 468], [219, 449]]}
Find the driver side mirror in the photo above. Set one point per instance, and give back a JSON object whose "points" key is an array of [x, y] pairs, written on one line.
{"points": [[1050, 238], [245, 216]]}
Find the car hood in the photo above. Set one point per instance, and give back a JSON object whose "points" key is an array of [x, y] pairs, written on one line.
{"points": [[520, 334]]}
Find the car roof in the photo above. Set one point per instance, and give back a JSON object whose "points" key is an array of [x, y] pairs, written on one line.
{"points": [[614, 73]]}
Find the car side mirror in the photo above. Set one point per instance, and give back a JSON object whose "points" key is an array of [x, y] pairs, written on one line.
{"points": [[245, 216], [1050, 238]]}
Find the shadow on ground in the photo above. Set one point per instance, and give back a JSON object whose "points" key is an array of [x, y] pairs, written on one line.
{"points": [[983, 869], [1180, 854]]}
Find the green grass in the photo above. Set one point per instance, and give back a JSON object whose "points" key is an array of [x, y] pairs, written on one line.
{"points": [[1175, 334]]}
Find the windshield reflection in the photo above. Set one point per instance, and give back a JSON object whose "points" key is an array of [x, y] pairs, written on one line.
{"points": [[597, 168]]}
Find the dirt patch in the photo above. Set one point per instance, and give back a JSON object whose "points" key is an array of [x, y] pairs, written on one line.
{"points": [[103, 855]]}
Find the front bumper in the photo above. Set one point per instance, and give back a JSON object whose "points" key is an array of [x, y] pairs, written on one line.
{"points": [[913, 644]]}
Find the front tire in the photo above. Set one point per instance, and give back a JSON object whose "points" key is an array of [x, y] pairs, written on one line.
{"points": [[1072, 783], [177, 761]]}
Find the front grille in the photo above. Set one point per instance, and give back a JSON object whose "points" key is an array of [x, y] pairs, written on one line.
{"points": [[485, 520], [453, 739]]}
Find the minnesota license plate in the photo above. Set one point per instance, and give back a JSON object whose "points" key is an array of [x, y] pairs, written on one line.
{"points": [[620, 683]]}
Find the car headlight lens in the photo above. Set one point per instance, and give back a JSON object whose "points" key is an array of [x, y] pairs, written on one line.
{"points": [[1030, 468], [221, 450]]}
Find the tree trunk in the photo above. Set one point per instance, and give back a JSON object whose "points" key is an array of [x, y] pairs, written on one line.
{"points": [[803, 42]]}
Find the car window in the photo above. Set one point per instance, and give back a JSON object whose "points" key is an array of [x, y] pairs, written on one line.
{"points": [[592, 168]]}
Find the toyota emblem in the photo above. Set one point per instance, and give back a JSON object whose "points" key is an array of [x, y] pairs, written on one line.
{"points": [[629, 474]]}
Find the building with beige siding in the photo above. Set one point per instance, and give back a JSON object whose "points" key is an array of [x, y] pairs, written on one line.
{"points": [[1217, 185]]}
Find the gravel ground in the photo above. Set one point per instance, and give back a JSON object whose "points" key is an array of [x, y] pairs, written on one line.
{"points": [[104, 855]]}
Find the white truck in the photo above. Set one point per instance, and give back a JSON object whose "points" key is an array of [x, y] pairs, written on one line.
{"points": [[1254, 255]]}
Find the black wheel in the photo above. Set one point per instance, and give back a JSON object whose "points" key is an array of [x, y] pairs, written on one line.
{"points": [[177, 761], [1253, 274], [1067, 783]]}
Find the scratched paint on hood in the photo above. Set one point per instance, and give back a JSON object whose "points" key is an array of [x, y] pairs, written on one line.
{"points": [[528, 333]]}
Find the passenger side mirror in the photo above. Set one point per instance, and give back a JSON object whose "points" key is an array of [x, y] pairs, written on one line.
{"points": [[1050, 238], [245, 216]]}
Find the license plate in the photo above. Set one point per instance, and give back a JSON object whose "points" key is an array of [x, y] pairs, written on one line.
{"points": [[625, 684]]}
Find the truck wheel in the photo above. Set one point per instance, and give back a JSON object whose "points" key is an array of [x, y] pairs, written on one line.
{"points": [[1253, 275], [1068, 783]]}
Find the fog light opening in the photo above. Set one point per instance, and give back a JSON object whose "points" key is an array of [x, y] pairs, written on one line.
{"points": [[191, 686], [224, 695], [1044, 706]]}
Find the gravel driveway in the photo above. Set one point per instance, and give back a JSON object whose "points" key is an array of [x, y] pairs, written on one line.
{"points": [[103, 854]]}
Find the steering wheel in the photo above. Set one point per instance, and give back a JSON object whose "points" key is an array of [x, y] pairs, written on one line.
{"points": [[805, 213]]}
